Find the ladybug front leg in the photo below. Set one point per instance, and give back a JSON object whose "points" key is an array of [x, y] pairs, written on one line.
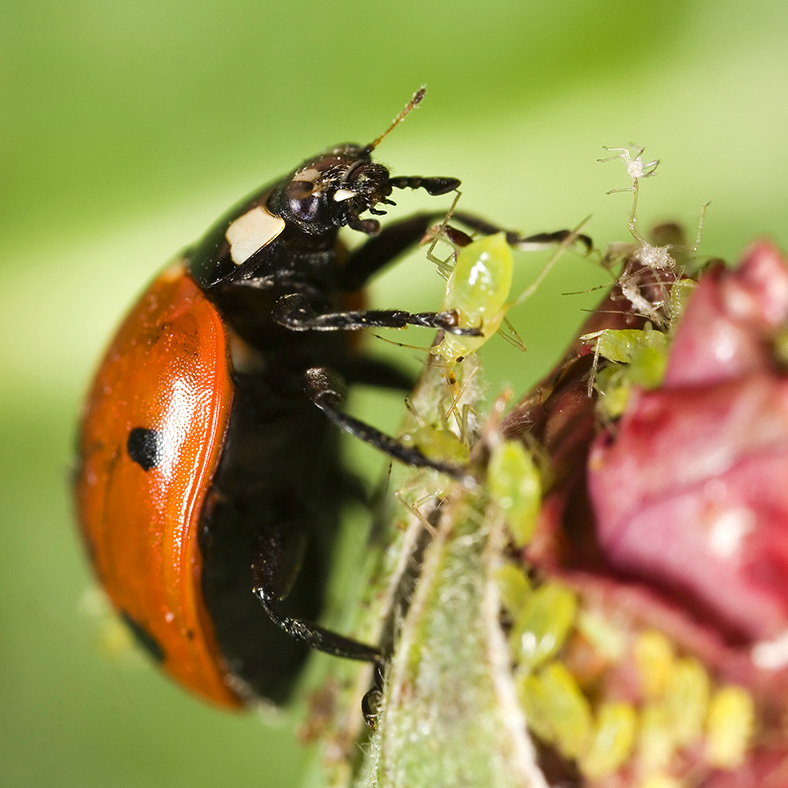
{"points": [[396, 238], [298, 313], [528, 243], [392, 241], [327, 391]]}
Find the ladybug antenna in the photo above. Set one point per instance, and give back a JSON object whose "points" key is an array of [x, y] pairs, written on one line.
{"points": [[411, 105]]}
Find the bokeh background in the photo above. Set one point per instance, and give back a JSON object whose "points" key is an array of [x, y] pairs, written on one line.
{"points": [[126, 128]]}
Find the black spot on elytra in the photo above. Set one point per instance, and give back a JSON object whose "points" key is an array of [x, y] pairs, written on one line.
{"points": [[146, 447], [144, 638]]}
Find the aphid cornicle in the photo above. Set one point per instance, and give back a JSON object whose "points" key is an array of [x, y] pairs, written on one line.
{"points": [[207, 481]]}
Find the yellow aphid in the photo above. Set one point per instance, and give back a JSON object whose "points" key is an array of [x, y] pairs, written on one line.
{"points": [[661, 781], [542, 626], [612, 740], [656, 745], [654, 658], [687, 700], [729, 727]]}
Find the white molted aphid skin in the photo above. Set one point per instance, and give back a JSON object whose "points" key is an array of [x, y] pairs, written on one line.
{"points": [[728, 532], [251, 232], [771, 654]]}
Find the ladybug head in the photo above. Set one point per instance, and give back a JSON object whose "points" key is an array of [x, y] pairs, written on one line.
{"points": [[332, 190], [337, 186]]}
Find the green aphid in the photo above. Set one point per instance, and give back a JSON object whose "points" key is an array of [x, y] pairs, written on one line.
{"points": [[568, 710], [638, 357], [680, 293], [478, 288], [535, 701], [515, 485], [543, 624], [729, 727], [655, 659], [645, 351], [656, 745], [611, 742], [439, 444], [514, 588], [614, 387]]}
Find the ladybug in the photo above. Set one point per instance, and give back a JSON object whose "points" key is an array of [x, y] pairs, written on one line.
{"points": [[208, 479]]}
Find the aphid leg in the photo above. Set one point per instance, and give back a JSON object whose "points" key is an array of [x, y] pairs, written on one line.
{"points": [[632, 156], [327, 391], [595, 364], [451, 235]]}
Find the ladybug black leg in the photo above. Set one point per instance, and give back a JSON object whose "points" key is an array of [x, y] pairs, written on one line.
{"points": [[327, 391], [526, 242], [395, 239], [433, 185], [267, 587], [298, 313]]}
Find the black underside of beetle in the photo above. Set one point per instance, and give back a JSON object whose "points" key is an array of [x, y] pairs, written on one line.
{"points": [[278, 482]]}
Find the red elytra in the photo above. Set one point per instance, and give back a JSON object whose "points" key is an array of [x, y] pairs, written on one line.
{"points": [[167, 369]]}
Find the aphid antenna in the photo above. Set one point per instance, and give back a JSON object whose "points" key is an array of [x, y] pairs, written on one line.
{"points": [[409, 107], [603, 286]]}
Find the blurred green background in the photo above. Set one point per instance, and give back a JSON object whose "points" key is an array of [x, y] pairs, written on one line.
{"points": [[126, 128]]}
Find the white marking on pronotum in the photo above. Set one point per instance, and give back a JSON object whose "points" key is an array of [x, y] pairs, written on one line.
{"points": [[343, 194], [251, 232]]}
